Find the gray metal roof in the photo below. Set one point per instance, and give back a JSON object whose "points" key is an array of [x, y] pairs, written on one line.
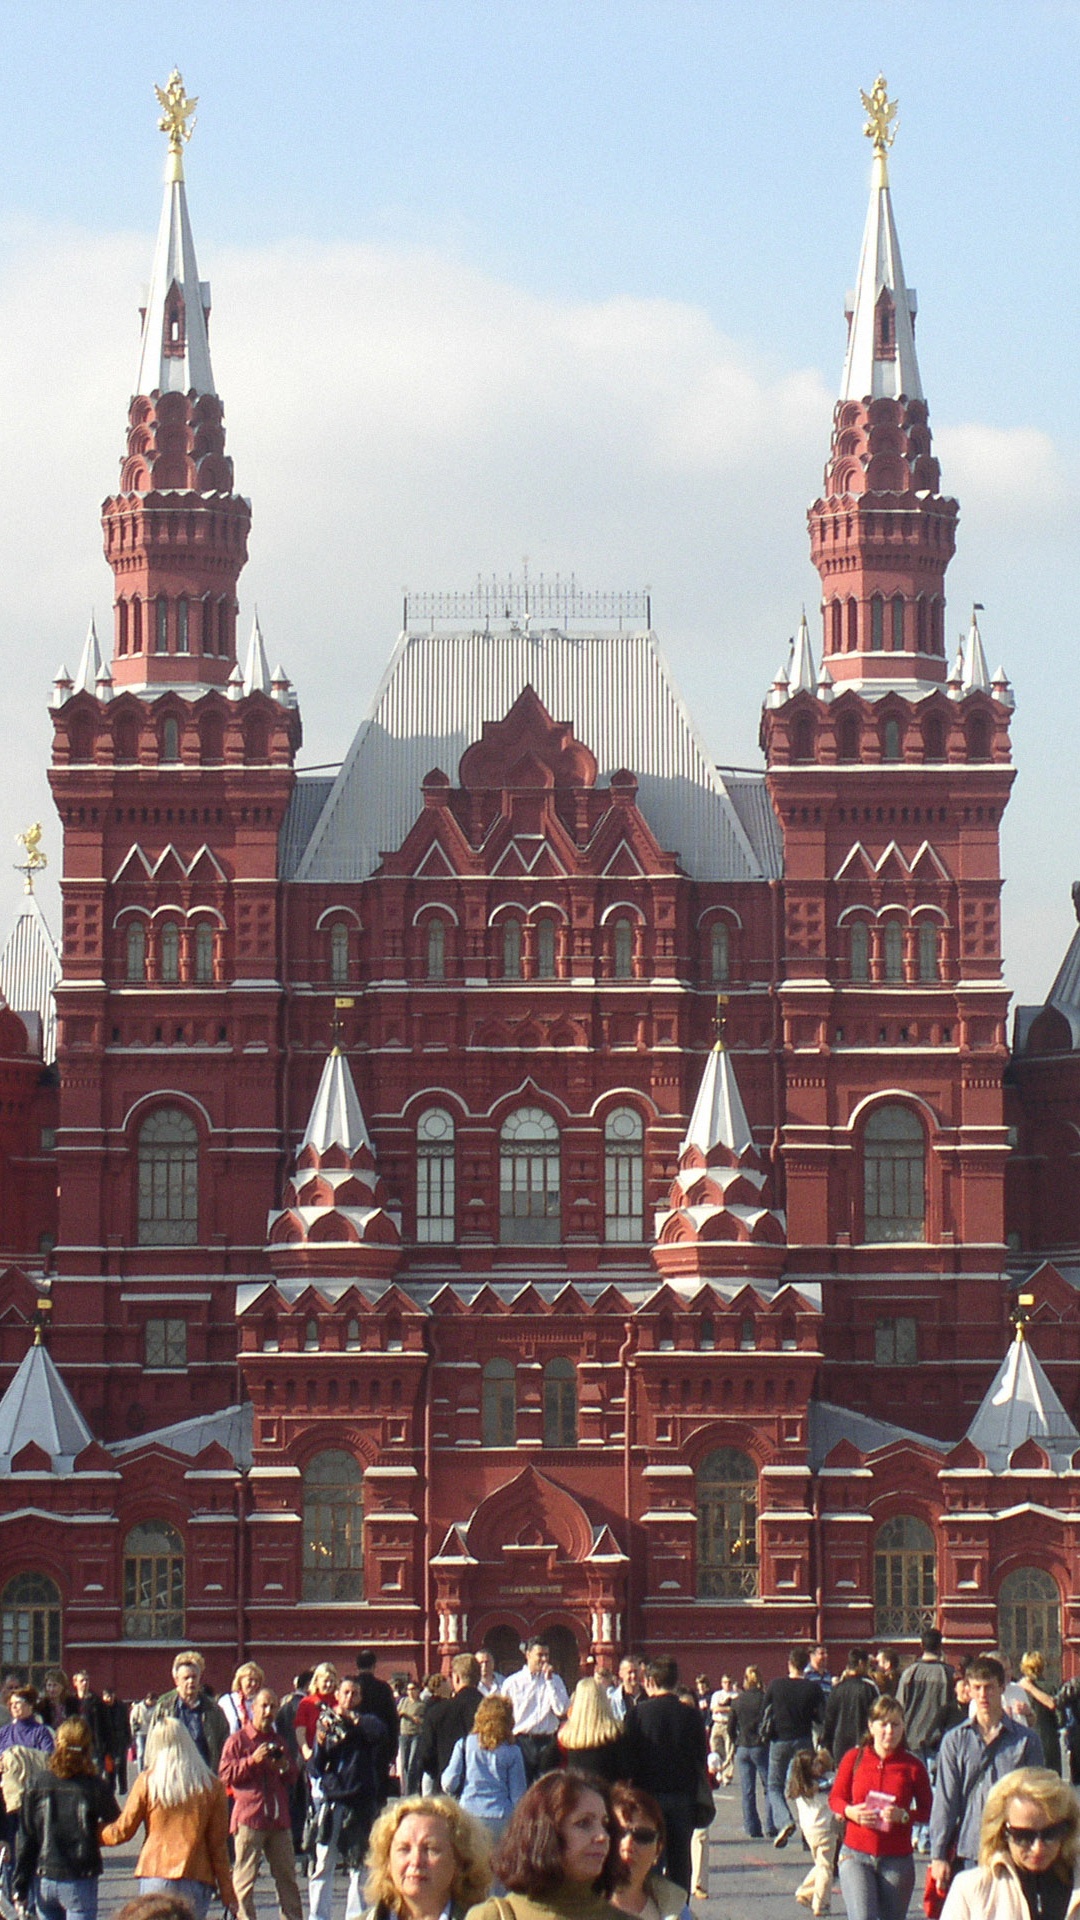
{"points": [[1020, 1404], [615, 689], [30, 969], [750, 798], [829, 1424], [38, 1406], [231, 1428], [309, 797], [1065, 992]]}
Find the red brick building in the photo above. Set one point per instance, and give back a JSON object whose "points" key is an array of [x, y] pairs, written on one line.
{"points": [[426, 1270]]}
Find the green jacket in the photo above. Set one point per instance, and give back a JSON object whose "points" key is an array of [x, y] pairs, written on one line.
{"points": [[215, 1725]]}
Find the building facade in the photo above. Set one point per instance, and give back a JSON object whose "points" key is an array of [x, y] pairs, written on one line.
{"points": [[433, 1262]]}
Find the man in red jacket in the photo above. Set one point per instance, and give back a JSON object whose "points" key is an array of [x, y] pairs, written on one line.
{"points": [[257, 1770]]}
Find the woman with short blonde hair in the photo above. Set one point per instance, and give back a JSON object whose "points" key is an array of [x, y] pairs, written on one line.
{"points": [[1029, 1852], [425, 1854]]}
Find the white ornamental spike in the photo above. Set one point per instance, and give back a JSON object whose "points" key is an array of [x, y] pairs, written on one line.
{"points": [[61, 687], [103, 686], [235, 688], [802, 677], [89, 665], [975, 676], [257, 669]]}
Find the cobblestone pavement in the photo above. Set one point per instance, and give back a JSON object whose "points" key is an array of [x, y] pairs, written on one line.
{"points": [[746, 1877]]}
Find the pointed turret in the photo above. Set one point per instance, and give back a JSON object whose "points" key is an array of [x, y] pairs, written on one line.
{"points": [[1019, 1405], [174, 352], [38, 1410], [880, 362], [90, 663], [801, 677], [257, 668], [974, 673], [334, 1219]]}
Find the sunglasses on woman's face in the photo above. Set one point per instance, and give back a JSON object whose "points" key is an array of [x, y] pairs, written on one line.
{"points": [[1025, 1837], [641, 1836]]}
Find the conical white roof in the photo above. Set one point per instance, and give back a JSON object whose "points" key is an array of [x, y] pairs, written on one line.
{"points": [[182, 365], [256, 669], [337, 1118], [867, 376], [90, 663], [1022, 1405], [37, 1406], [802, 677], [974, 675], [719, 1117]]}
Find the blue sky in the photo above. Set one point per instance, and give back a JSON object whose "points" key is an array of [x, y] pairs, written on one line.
{"points": [[559, 279]]}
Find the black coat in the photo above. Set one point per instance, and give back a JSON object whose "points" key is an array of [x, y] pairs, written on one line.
{"points": [[58, 1829], [668, 1745]]}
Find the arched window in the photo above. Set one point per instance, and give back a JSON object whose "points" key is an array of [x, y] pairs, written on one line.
{"points": [[207, 605], [170, 739], [803, 744], [121, 626], [860, 950], [183, 628], [837, 613], [153, 1582], [223, 629], [934, 737], [894, 1177], [852, 626], [529, 1199], [545, 949], [849, 737], [898, 624], [922, 624], [333, 1528], [560, 1404], [498, 1404], [311, 1336], [136, 950], [891, 742], [170, 950], [204, 953], [168, 1157], [136, 625], [339, 952], [161, 625], [894, 950], [928, 951], [1029, 1619], [727, 1556], [624, 950], [30, 1625], [436, 950], [978, 738], [511, 949], [877, 623], [905, 1578], [624, 1175], [719, 950], [435, 1176]]}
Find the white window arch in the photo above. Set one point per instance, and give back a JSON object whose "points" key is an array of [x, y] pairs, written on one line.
{"points": [[435, 1176], [624, 1175], [530, 1209], [168, 1163], [894, 1175]]}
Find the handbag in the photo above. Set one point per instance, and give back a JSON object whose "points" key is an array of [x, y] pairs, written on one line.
{"points": [[704, 1804], [766, 1725], [932, 1900]]}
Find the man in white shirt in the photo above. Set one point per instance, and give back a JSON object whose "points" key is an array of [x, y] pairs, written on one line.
{"points": [[490, 1682], [623, 1695], [539, 1700]]}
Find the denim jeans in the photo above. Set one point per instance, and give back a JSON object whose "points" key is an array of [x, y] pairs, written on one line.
{"points": [[752, 1765], [876, 1887], [77, 1898], [780, 1752], [195, 1892]]}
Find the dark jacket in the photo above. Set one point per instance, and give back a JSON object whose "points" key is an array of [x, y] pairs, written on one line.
{"points": [[215, 1727], [428, 1743], [95, 1714], [744, 1717], [351, 1764], [454, 1725], [610, 1762], [847, 1714], [926, 1692], [798, 1707], [58, 1829], [668, 1745]]}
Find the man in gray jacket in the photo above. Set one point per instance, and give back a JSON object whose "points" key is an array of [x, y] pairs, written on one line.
{"points": [[971, 1758]]}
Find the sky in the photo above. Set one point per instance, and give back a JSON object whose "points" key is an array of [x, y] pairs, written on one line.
{"points": [[556, 282]]}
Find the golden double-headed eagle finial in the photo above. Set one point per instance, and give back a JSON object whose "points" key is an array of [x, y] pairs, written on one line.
{"points": [[176, 112], [881, 121], [30, 841]]}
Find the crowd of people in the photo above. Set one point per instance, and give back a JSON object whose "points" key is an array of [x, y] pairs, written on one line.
{"points": [[513, 1797]]}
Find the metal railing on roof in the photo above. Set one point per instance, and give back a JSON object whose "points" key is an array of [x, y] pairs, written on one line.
{"points": [[526, 602]]}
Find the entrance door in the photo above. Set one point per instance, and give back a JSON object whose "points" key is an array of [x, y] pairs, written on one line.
{"points": [[504, 1646], [1029, 1620], [565, 1653]]}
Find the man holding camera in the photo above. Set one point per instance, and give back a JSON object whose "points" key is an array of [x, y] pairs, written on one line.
{"points": [[347, 1768], [258, 1771]]}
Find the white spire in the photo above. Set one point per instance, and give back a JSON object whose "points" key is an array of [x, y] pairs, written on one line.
{"points": [[801, 677], [974, 674], [1022, 1405], [89, 667], [877, 367], [256, 670], [38, 1407], [719, 1117], [337, 1118], [174, 355]]}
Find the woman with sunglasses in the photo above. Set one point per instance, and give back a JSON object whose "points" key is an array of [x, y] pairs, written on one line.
{"points": [[1029, 1853], [638, 1835]]}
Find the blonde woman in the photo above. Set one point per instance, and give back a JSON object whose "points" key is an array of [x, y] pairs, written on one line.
{"points": [[1029, 1853], [185, 1811], [591, 1739], [236, 1704], [426, 1858], [486, 1773], [320, 1694]]}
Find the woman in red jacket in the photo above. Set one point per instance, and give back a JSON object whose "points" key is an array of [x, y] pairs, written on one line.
{"points": [[880, 1788]]}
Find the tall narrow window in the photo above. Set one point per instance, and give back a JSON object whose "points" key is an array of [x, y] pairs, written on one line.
{"points": [[136, 950], [921, 624], [529, 1189], [498, 1404], [339, 952], [624, 1175], [170, 950], [136, 625], [545, 949], [894, 950], [30, 1625], [894, 1175], [727, 1555], [435, 1176], [183, 633], [905, 1578], [898, 624], [560, 1404], [333, 1528], [849, 737], [877, 623], [891, 746], [624, 950], [161, 626], [170, 740], [852, 626], [837, 613], [204, 953], [223, 626], [934, 736], [121, 626], [436, 950], [511, 949], [168, 1160], [928, 951], [207, 606], [860, 950], [153, 1582], [803, 746], [719, 951]]}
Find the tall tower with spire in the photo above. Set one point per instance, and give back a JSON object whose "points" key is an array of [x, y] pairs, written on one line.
{"points": [[889, 771]]}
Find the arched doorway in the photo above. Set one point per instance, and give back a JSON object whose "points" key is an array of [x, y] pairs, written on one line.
{"points": [[565, 1653], [504, 1646], [1029, 1619]]}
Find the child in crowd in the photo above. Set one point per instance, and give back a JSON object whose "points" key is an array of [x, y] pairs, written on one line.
{"points": [[809, 1779]]}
